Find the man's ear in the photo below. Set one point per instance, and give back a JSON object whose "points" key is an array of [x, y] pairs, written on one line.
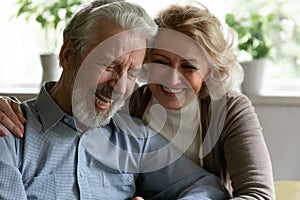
{"points": [[65, 55]]}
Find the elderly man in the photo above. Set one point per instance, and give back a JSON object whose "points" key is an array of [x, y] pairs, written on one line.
{"points": [[75, 145]]}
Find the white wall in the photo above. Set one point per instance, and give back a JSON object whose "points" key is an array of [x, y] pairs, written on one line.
{"points": [[281, 128]]}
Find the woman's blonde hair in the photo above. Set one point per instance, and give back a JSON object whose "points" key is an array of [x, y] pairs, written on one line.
{"points": [[207, 31]]}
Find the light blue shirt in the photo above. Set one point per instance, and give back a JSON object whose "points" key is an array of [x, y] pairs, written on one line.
{"points": [[52, 162]]}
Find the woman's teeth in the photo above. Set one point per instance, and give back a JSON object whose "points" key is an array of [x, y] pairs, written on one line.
{"points": [[170, 90]]}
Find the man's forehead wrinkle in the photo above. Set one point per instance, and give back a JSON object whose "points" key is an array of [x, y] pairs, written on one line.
{"points": [[125, 38], [119, 46], [122, 61], [132, 59], [116, 50], [128, 59]]}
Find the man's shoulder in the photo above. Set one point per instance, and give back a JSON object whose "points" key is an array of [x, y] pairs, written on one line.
{"points": [[29, 107], [10, 148], [130, 125], [137, 130], [11, 140]]}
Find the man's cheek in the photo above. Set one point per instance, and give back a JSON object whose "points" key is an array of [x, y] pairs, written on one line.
{"points": [[130, 89]]}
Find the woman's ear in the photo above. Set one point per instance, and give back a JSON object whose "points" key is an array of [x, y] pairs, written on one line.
{"points": [[65, 55], [208, 73]]}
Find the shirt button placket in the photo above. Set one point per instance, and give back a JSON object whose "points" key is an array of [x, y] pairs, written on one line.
{"points": [[81, 174]]}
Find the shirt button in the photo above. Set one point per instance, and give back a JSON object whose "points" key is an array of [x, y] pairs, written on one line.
{"points": [[129, 179], [66, 120], [81, 173]]}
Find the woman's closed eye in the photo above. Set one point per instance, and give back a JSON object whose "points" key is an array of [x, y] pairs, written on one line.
{"points": [[189, 67], [163, 62]]}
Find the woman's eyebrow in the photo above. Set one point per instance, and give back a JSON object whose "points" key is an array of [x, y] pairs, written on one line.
{"points": [[191, 60]]}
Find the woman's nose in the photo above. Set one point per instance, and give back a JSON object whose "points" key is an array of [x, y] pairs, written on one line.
{"points": [[173, 76]]}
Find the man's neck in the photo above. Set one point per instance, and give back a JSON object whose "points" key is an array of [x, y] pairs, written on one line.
{"points": [[61, 94]]}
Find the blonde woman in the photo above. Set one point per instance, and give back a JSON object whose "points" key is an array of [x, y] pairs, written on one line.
{"points": [[196, 97]]}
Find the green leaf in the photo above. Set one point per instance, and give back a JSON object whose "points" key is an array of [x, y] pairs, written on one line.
{"points": [[252, 32]]}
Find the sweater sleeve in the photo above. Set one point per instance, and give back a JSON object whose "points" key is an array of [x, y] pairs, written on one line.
{"points": [[245, 151]]}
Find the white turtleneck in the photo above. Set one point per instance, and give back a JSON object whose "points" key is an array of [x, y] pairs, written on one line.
{"points": [[181, 127]]}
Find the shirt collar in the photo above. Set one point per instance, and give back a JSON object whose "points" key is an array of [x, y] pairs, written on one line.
{"points": [[50, 113]]}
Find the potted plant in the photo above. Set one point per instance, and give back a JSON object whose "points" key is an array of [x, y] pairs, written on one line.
{"points": [[52, 16], [254, 45]]}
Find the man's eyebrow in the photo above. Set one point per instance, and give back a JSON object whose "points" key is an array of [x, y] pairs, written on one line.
{"points": [[159, 54], [117, 62]]}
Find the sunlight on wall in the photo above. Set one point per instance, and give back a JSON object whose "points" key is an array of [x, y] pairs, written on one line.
{"points": [[19, 49]]}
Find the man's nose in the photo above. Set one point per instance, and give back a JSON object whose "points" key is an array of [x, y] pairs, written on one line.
{"points": [[119, 82]]}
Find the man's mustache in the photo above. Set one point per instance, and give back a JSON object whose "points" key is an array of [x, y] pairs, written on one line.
{"points": [[108, 92]]}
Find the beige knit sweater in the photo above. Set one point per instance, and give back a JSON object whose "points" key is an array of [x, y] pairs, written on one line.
{"points": [[233, 147]]}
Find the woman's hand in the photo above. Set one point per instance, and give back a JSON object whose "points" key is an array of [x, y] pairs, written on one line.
{"points": [[11, 117]]}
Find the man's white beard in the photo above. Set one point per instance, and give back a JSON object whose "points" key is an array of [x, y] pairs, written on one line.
{"points": [[87, 115]]}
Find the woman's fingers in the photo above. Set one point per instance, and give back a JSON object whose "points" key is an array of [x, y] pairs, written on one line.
{"points": [[15, 105], [7, 123], [3, 131], [9, 118], [137, 198]]}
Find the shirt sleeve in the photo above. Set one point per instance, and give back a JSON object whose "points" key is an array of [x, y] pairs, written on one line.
{"points": [[11, 184], [178, 178], [181, 182]]}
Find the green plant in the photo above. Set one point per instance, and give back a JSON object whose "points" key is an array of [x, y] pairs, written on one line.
{"points": [[253, 33], [51, 15]]}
